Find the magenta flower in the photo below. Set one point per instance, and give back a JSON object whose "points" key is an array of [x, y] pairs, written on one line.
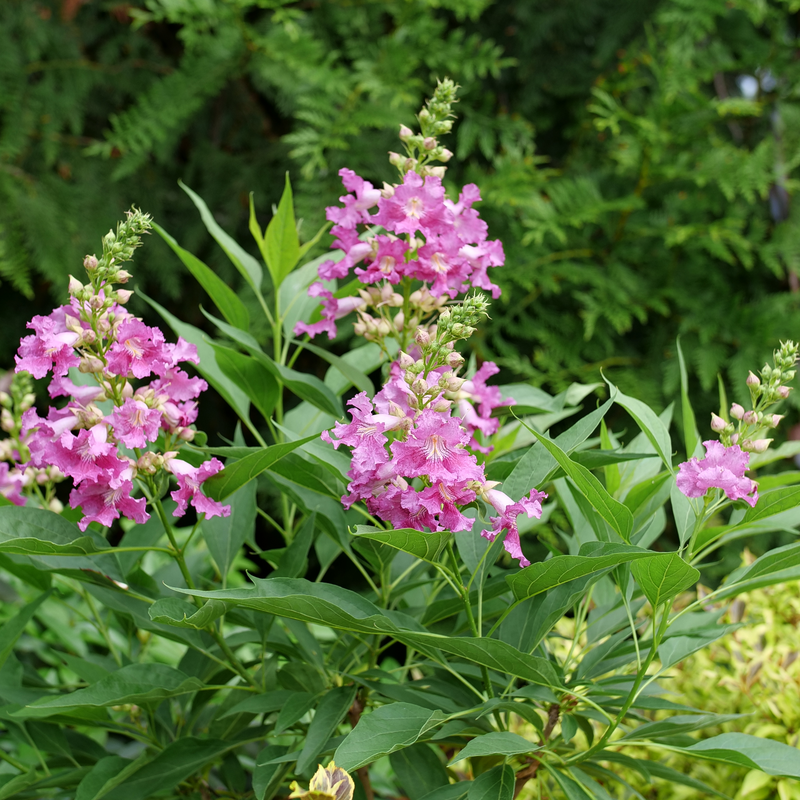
{"points": [[138, 349], [443, 501], [722, 468], [442, 265], [85, 456], [103, 500], [190, 479], [435, 448], [365, 424], [414, 206], [355, 208], [388, 262], [50, 347], [332, 309], [465, 220], [135, 423], [507, 519], [11, 483]]}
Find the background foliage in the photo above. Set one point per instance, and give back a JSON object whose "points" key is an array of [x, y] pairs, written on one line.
{"points": [[638, 191]]}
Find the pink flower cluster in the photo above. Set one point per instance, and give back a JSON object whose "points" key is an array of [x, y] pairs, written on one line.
{"points": [[722, 468], [427, 238], [85, 443], [430, 447]]}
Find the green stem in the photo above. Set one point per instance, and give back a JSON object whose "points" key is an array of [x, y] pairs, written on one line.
{"points": [[13, 761]]}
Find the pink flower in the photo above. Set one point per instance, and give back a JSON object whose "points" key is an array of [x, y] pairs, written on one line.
{"points": [[365, 424], [481, 257], [103, 500], [138, 349], [388, 263], [414, 206], [442, 265], [507, 519], [487, 398], [355, 208], [722, 468], [135, 423], [443, 501], [465, 220], [50, 347], [190, 479], [404, 508], [85, 456], [435, 449], [62, 386], [11, 483], [332, 309]]}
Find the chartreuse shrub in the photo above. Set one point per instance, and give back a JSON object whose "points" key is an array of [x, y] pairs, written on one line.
{"points": [[513, 611], [750, 674]]}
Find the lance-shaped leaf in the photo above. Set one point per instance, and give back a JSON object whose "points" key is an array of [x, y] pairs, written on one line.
{"points": [[649, 423], [427, 546], [13, 628], [226, 300], [336, 607], [236, 475], [691, 438], [593, 557], [772, 503], [180, 614], [743, 750], [664, 576], [681, 723], [249, 268], [251, 376], [329, 713], [351, 373], [496, 783], [776, 566], [135, 683], [617, 515], [281, 244], [34, 531], [385, 730], [504, 743], [306, 387]]}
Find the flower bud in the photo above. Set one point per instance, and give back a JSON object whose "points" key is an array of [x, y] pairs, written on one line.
{"points": [[122, 276], [783, 391], [717, 423], [74, 287], [760, 445], [27, 401], [429, 143], [6, 420], [5, 400], [775, 420], [123, 295], [750, 418], [442, 405], [454, 383], [419, 386], [405, 360], [410, 164], [187, 434], [737, 411], [90, 263], [387, 191], [55, 505], [424, 115], [454, 360], [422, 337], [395, 159], [752, 380], [90, 364], [445, 156], [405, 133], [399, 320], [734, 438], [437, 172]]}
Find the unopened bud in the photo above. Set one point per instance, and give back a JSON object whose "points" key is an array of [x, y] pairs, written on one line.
{"points": [[422, 337], [454, 383], [410, 164], [88, 336], [122, 276], [429, 143], [27, 401], [123, 295], [387, 191], [419, 386], [90, 263], [454, 360], [187, 434], [445, 156], [424, 115], [395, 159], [752, 380], [383, 328], [437, 172], [90, 364], [74, 287], [776, 420], [405, 133], [442, 405], [717, 423], [734, 438], [5, 400], [405, 360], [750, 417], [6, 420], [399, 320], [55, 505], [760, 445], [737, 411], [783, 391]]}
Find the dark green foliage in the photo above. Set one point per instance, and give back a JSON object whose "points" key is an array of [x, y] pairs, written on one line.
{"points": [[639, 195]]}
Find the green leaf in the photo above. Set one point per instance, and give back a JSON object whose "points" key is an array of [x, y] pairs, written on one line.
{"points": [[13, 628], [502, 743], [208, 368], [268, 774], [418, 770], [294, 709], [496, 783], [96, 782], [681, 723], [683, 513], [224, 536], [385, 730], [281, 244], [452, 791], [741, 749], [236, 475], [175, 763], [572, 789], [336, 607], [773, 503], [427, 546], [613, 512], [249, 375], [666, 773], [331, 710], [26, 530], [172, 611], [225, 299], [775, 566], [594, 556], [306, 387], [135, 683], [247, 265], [294, 561], [353, 375], [691, 438], [664, 576], [649, 423]]}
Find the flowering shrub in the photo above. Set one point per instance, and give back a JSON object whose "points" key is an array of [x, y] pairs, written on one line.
{"points": [[473, 614]]}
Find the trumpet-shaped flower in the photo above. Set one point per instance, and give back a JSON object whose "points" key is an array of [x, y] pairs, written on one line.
{"points": [[722, 468]]}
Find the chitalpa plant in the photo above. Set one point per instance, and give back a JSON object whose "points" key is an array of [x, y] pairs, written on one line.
{"points": [[460, 605]]}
